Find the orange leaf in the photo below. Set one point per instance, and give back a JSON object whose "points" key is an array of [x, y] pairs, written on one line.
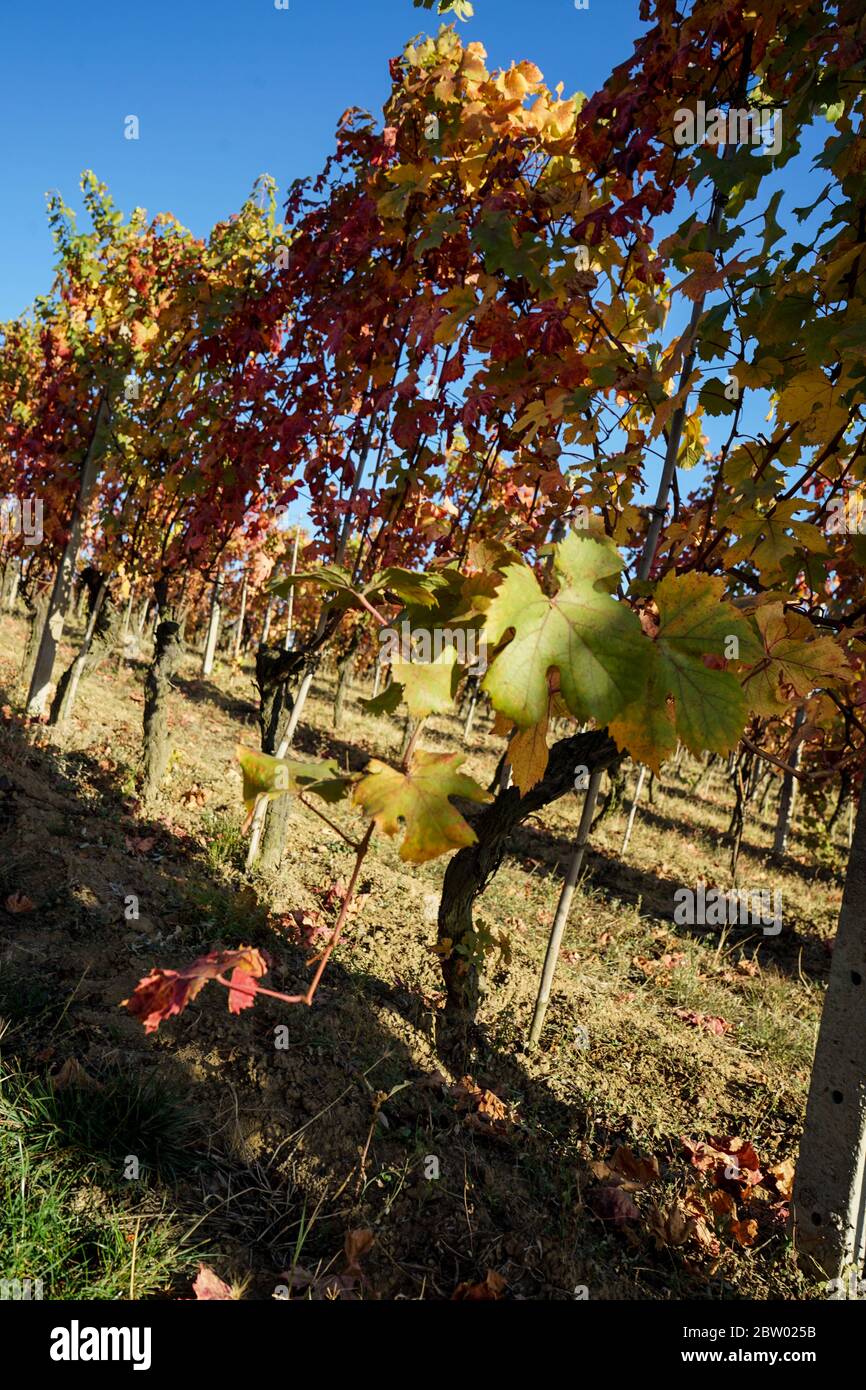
{"points": [[493, 1286], [18, 902], [744, 1232]]}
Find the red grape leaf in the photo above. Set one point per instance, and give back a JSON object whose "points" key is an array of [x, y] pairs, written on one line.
{"points": [[163, 993]]}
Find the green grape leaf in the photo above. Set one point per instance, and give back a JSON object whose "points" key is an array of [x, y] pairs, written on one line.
{"points": [[416, 803], [646, 729], [429, 687], [338, 582], [270, 777], [494, 236], [695, 622], [713, 399], [593, 640], [408, 586], [329, 577], [386, 702]]}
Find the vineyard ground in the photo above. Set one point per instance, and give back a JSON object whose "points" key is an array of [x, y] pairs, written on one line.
{"points": [[260, 1159]]}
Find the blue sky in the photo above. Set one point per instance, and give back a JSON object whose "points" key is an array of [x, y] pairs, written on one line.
{"points": [[224, 90]]}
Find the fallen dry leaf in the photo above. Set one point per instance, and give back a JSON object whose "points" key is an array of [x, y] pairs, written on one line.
{"points": [[671, 1227], [140, 844], [208, 1285], [484, 1111], [71, 1074], [490, 1105], [19, 902], [702, 1231], [749, 968], [783, 1176], [492, 1286], [195, 796], [733, 1163], [638, 1171], [744, 1232], [612, 1203], [723, 1203], [708, 1022], [356, 1245], [304, 928], [626, 1170]]}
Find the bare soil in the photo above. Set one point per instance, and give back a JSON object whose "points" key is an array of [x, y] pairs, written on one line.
{"points": [[346, 1128]]}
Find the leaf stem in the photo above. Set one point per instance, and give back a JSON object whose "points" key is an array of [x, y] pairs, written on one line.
{"points": [[410, 747], [260, 989], [354, 844], [344, 912]]}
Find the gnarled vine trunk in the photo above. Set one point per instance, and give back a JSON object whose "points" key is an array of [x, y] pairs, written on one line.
{"points": [[10, 583], [37, 610], [283, 679], [157, 686], [274, 674], [52, 628], [472, 868], [346, 668]]}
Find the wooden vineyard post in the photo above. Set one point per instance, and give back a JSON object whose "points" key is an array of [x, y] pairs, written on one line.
{"points": [[830, 1184], [213, 627], [289, 642], [789, 790], [67, 687], [10, 585], [127, 618], [631, 815], [562, 907], [266, 623], [470, 716]]}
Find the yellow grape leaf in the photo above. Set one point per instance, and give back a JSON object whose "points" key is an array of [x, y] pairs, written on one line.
{"points": [[529, 70], [765, 540], [527, 754], [512, 84], [428, 686], [793, 656], [471, 169], [814, 401], [646, 729], [462, 302], [408, 179], [143, 333], [416, 803]]}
